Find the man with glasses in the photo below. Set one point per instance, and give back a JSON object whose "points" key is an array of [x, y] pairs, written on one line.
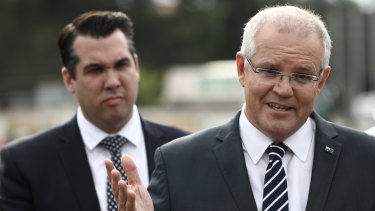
{"points": [[277, 153]]}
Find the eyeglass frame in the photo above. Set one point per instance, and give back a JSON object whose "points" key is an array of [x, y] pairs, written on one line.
{"points": [[290, 76]]}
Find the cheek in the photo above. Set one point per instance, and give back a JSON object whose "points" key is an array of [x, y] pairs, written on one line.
{"points": [[254, 94], [83, 97], [130, 82], [88, 88], [257, 91], [306, 101]]}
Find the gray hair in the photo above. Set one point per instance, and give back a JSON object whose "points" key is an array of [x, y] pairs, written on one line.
{"points": [[287, 19]]}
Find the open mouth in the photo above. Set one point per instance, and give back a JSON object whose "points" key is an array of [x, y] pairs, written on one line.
{"points": [[279, 107]]}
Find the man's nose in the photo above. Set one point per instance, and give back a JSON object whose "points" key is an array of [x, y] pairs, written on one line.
{"points": [[284, 75], [112, 79], [283, 87]]}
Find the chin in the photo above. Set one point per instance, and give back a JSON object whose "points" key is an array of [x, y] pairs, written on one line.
{"points": [[277, 132]]}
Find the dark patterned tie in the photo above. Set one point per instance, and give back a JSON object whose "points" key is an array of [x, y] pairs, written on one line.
{"points": [[275, 194], [114, 144]]}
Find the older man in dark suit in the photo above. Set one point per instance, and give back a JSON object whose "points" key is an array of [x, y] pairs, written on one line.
{"points": [[276, 153], [62, 168]]}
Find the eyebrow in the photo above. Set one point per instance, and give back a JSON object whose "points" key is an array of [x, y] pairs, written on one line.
{"points": [[99, 65], [267, 65], [305, 69], [125, 59], [308, 70]]}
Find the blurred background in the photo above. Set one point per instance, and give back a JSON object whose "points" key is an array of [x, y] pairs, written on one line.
{"points": [[186, 49]]}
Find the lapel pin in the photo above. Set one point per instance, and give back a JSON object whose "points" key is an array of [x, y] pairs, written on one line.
{"points": [[329, 150]]}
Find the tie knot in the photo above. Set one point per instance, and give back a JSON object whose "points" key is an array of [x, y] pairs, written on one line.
{"points": [[276, 151], [113, 143]]}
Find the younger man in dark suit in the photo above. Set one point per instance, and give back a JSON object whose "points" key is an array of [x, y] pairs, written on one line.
{"points": [[276, 153], [62, 168]]}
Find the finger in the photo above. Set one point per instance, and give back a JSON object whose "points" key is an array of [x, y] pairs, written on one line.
{"points": [[130, 170], [122, 195], [115, 178], [109, 167], [130, 204]]}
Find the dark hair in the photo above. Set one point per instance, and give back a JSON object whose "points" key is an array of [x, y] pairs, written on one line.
{"points": [[97, 24]]}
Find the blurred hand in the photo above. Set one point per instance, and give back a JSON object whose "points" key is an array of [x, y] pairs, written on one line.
{"points": [[132, 196]]}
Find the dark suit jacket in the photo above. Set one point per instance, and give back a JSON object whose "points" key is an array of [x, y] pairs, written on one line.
{"points": [[50, 171], [206, 171]]}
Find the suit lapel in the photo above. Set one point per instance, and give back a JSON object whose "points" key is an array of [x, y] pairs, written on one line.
{"points": [[153, 139], [326, 158], [231, 162], [75, 163]]}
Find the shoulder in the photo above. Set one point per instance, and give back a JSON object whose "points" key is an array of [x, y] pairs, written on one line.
{"points": [[165, 130], [205, 140], [341, 133], [354, 136], [35, 142], [354, 142], [195, 142]]}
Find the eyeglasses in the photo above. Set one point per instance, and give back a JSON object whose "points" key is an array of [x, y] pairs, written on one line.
{"points": [[297, 80]]}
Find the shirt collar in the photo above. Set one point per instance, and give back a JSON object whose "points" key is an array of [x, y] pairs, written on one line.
{"points": [[92, 135], [256, 143]]}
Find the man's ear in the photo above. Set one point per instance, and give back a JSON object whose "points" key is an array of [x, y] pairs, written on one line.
{"points": [[240, 59], [69, 81], [136, 63], [322, 81]]}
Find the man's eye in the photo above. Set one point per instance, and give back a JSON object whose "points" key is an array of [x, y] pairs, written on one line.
{"points": [[270, 72], [122, 65], [93, 70], [302, 78], [97, 70]]}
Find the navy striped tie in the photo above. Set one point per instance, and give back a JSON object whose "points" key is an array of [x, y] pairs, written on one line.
{"points": [[275, 194]]}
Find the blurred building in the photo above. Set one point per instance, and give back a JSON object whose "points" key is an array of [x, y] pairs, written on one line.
{"points": [[352, 27], [193, 97], [198, 96]]}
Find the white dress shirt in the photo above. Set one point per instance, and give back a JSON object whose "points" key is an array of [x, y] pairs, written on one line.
{"points": [[297, 161], [135, 147]]}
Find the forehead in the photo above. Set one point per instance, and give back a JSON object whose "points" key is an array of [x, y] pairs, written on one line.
{"points": [[287, 45], [112, 47]]}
